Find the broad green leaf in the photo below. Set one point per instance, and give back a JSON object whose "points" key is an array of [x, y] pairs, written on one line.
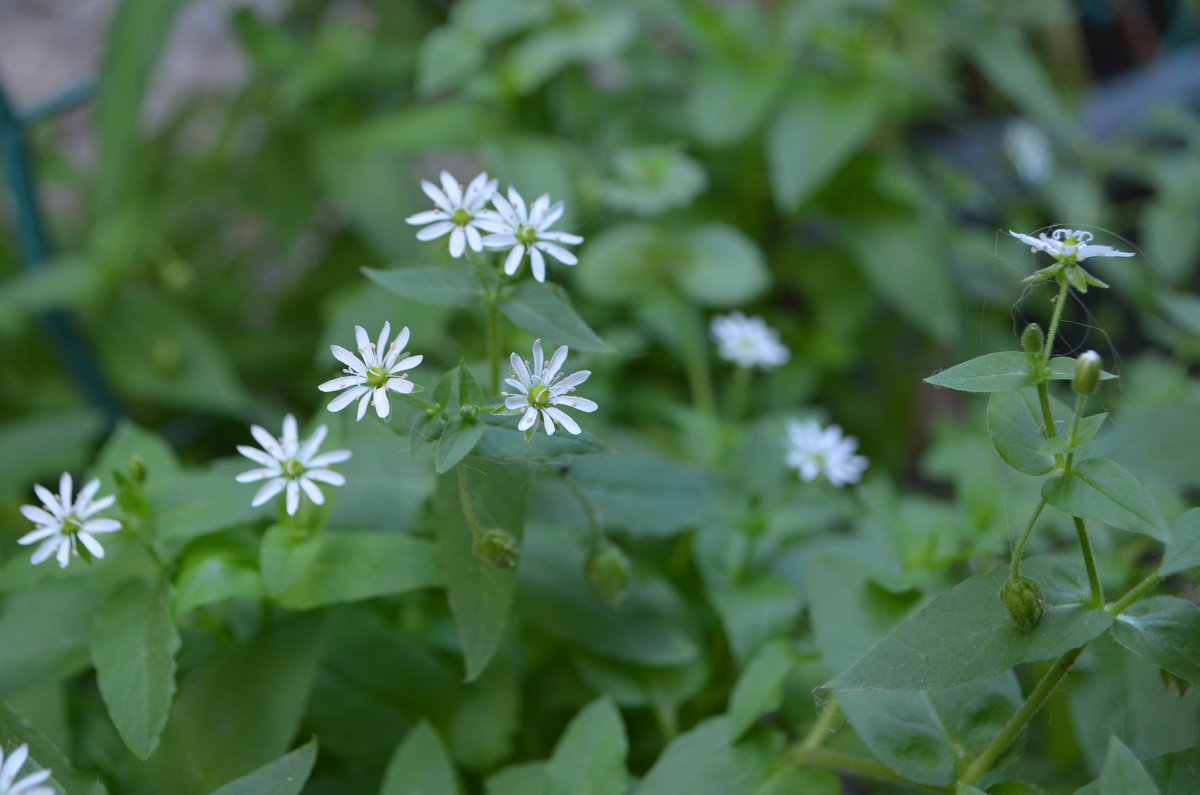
{"points": [[624, 262], [457, 441], [720, 267], [822, 124], [927, 735], [215, 578], [1183, 547], [762, 607], [480, 594], [1122, 774], [651, 180], [589, 758], [705, 761], [993, 372], [485, 726], [1177, 773], [447, 56], [729, 99], [285, 555], [420, 766], [440, 285], [126, 441], [285, 776], [236, 712], [456, 390], [16, 729], [792, 780], [663, 689], [968, 789], [1166, 631], [133, 649], [1014, 421], [545, 311], [44, 445], [1086, 432], [501, 441], [964, 634], [1103, 491], [44, 631], [524, 779], [588, 35], [194, 503], [350, 566], [759, 689]]}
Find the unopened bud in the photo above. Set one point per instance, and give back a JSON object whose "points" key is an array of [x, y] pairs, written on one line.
{"points": [[137, 469], [496, 548], [1033, 340], [608, 572], [1087, 373], [1022, 600]]}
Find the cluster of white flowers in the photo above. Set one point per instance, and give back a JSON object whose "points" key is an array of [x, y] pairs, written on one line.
{"points": [[542, 389], [1068, 244], [291, 464], [748, 341], [9, 768], [63, 524], [815, 451], [523, 230]]}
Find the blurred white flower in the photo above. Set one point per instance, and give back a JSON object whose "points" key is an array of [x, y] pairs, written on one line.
{"points": [[814, 451], [1073, 244], [1029, 150], [63, 525], [291, 463], [528, 231], [457, 212], [374, 374], [542, 391], [26, 786], [748, 341]]}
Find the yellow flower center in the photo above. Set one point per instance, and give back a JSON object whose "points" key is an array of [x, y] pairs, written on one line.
{"points": [[539, 396], [376, 377], [461, 217], [527, 235]]}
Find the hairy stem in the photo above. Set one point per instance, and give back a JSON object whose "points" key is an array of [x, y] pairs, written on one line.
{"points": [[854, 765], [816, 735], [1135, 593], [1019, 549], [1055, 317], [1089, 560]]}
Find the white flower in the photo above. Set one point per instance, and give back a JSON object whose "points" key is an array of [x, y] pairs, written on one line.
{"points": [[457, 212], [62, 525], [1068, 244], [748, 341], [815, 452], [528, 231], [292, 463], [542, 391], [26, 786], [1029, 150], [371, 376]]}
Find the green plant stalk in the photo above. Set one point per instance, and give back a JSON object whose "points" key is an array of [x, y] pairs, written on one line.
{"points": [[820, 729], [1055, 317], [855, 765], [695, 361], [1048, 429], [1089, 560], [739, 390], [493, 345], [1037, 699], [1080, 401], [464, 497], [1135, 593], [589, 509], [1019, 550]]}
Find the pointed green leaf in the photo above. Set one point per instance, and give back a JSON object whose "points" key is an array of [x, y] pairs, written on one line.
{"points": [[1166, 631], [1014, 421], [964, 634], [285, 776], [285, 554], [350, 566], [1177, 773], [1183, 548], [993, 372], [590, 757], [420, 766], [705, 761], [134, 648], [458, 389], [44, 631], [501, 441], [545, 311], [1122, 774], [524, 779], [1104, 491], [760, 686], [440, 285]]}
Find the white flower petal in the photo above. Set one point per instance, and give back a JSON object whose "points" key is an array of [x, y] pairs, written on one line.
{"points": [[513, 260], [537, 264], [326, 476], [267, 491], [528, 419], [346, 398], [458, 242], [556, 363], [408, 363], [473, 238], [64, 490], [251, 475], [427, 217], [91, 543], [516, 402], [34, 536], [561, 237], [363, 403], [438, 198], [521, 371], [267, 442], [293, 497], [12, 766], [98, 505], [551, 215], [48, 548], [347, 358], [548, 423], [37, 515], [49, 499], [563, 419], [382, 407], [579, 403], [400, 385], [338, 384], [332, 457], [452, 189], [558, 252], [100, 526], [63, 554], [312, 491]]}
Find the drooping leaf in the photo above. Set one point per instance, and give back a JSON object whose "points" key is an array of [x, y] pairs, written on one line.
{"points": [[589, 758], [760, 686], [528, 778], [1166, 631], [441, 285], [420, 766], [456, 390], [1104, 491], [133, 649], [285, 776], [545, 311]]}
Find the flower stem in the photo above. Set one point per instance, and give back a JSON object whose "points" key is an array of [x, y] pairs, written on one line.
{"points": [[589, 509], [1135, 593], [464, 497], [1019, 549], [739, 390], [816, 735], [1037, 699], [1089, 560], [695, 361], [855, 765], [493, 344], [1055, 317]]}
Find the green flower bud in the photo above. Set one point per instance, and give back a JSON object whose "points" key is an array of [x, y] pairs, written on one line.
{"points": [[496, 548], [1022, 600], [137, 469], [1087, 373], [608, 572], [1033, 340]]}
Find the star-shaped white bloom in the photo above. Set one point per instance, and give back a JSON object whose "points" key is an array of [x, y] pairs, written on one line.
{"points": [[26, 786], [1068, 244], [63, 524], [374, 374], [814, 451], [456, 212], [291, 463], [528, 231], [748, 341], [542, 391]]}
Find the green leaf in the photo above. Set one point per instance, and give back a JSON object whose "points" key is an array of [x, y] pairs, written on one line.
{"points": [[440, 285], [501, 441], [524, 779], [480, 595], [762, 607], [285, 776], [544, 311], [1166, 631], [822, 124], [1103, 491], [351, 566], [729, 99], [16, 730], [1177, 773], [126, 441], [215, 570], [456, 390], [589, 758], [1183, 547], [791, 780], [964, 634], [420, 766], [43, 446], [624, 262], [652, 180], [236, 712], [1086, 432], [759, 689], [1122, 774], [1014, 421], [927, 735], [285, 554], [1012, 67], [968, 789], [58, 284], [134, 649], [44, 631], [993, 372], [721, 267], [447, 56], [194, 503], [705, 761]]}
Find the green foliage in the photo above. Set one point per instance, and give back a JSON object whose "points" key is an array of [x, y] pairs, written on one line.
{"points": [[420, 766]]}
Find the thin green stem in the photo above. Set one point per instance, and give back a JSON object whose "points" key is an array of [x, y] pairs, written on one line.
{"points": [[1019, 549], [1055, 317], [493, 345], [464, 497], [855, 765], [1037, 699], [589, 509], [1135, 593], [739, 390], [1089, 560], [416, 401], [816, 735], [695, 359], [1080, 401]]}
